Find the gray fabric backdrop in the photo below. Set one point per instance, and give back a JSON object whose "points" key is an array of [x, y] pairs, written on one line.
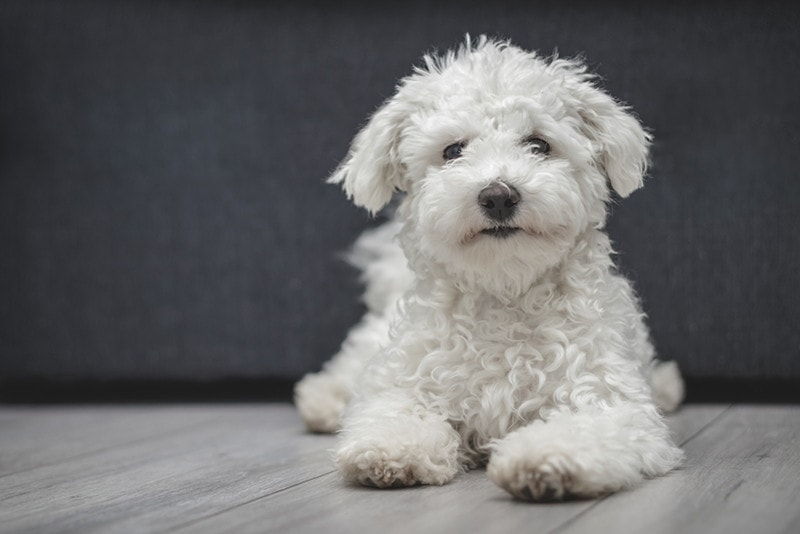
{"points": [[162, 207]]}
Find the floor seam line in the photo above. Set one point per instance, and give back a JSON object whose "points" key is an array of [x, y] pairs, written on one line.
{"points": [[580, 514], [121, 445], [707, 425], [245, 503]]}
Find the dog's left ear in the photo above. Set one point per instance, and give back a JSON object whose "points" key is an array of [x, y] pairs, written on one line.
{"points": [[372, 172], [623, 143]]}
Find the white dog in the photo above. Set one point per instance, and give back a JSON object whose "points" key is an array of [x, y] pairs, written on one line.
{"points": [[516, 341]]}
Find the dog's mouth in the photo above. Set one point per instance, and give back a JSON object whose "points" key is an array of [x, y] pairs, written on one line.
{"points": [[500, 232]]}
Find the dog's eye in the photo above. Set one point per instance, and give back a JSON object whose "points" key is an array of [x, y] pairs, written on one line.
{"points": [[538, 145], [453, 151]]}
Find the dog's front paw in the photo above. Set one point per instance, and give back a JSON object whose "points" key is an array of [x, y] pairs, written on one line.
{"points": [[402, 452], [571, 458], [382, 469], [538, 477]]}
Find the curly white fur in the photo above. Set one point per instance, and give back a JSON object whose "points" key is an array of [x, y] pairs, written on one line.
{"points": [[522, 347]]}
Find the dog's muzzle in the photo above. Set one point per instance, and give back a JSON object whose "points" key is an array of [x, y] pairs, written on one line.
{"points": [[498, 200]]}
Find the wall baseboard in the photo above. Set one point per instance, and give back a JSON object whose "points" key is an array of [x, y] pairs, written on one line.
{"points": [[47, 391]]}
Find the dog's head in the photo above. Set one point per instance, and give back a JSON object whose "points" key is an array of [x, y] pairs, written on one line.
{"points": [[505, 159]]}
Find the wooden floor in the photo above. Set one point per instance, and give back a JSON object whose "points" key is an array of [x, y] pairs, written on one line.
{"points": [[251, 468]]}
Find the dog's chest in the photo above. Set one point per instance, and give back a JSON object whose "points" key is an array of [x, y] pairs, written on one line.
{"points": [[492, 370]]}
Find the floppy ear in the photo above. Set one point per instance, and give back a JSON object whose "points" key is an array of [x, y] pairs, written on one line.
{"points": [[623, 143], [372, 171]]}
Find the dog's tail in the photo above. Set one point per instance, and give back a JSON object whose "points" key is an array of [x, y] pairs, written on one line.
{"points": [[383, 266], [667, 385]]}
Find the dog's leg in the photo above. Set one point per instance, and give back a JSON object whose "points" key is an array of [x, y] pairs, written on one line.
{"points": [[321, 397], [584, 453], [392, 441]]}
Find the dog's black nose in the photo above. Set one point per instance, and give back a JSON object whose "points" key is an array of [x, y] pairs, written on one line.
{"points": [[499, 200]]}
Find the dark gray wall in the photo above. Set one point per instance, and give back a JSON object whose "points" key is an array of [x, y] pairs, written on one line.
{"points": [[162, 206]]}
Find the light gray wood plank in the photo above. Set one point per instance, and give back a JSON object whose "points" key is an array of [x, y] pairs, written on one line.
{"points": [[688, 421], [253, 469], [42, 435], [470, 503], [152, 484], [742, 474]]}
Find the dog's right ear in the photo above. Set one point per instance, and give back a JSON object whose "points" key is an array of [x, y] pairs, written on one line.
{"points": [[372, 171]]}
